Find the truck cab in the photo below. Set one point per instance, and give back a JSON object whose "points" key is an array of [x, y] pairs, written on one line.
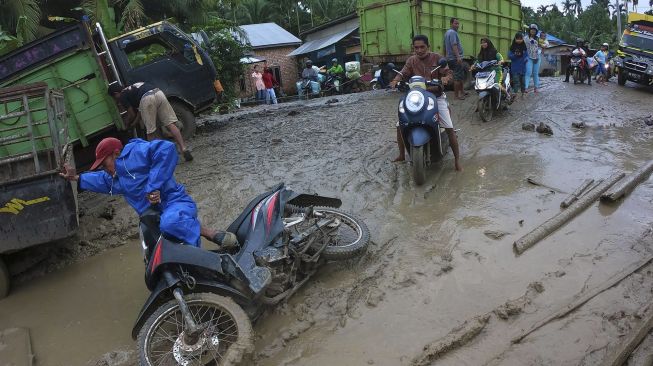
{"points": [[634, 59], [163, 55]]}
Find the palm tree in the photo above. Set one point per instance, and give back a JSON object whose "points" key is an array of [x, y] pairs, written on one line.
{"points": [[579, 6], [543, 9], [568, 7], [11, 11], [254, 11]]}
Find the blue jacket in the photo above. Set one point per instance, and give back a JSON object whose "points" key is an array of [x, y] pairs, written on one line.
{"points": [[141, 168], [518, 63]]}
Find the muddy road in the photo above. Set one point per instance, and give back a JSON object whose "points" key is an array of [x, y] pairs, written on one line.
{"points": [[441, 253]]}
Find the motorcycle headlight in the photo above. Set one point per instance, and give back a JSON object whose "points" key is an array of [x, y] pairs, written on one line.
{"points": [[414, 101]]}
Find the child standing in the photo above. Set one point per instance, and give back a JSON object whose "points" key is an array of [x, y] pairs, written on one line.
{"points": [[518, 58]]}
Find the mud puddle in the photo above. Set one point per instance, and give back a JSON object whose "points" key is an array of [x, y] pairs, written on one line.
{"points": [[432, 263], [81, 312]]}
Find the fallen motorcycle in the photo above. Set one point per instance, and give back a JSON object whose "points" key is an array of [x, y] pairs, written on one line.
{"points": [[201, 303]]}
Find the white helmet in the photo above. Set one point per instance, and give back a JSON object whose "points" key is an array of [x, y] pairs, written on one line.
{"points": [[606, 45]]}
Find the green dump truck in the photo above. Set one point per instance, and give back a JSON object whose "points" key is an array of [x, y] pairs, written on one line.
{"points": [[387, 26], [634, 61], [54, 107]]}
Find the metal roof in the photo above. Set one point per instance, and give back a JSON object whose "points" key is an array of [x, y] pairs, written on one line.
{"points": [[321, 43], [265, 35]]}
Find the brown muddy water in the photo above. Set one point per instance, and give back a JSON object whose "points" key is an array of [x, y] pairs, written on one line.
{"points": [[430, 267]]}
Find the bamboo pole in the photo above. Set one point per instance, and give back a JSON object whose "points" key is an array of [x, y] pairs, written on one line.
{"points": [[584, 297], [628, 183], [554, 223], [573, 197]]}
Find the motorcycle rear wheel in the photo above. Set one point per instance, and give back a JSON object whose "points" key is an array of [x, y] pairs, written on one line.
{"points": [[349, 240], [225, 341], [485, 110]]}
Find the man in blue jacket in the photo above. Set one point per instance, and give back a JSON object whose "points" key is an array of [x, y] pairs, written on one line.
{"points": [[143, 172]]}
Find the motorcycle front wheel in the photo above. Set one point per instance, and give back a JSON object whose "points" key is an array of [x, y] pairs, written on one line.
{"points": [[419, 164], [485, 110], [226, 337], [349, 239]]}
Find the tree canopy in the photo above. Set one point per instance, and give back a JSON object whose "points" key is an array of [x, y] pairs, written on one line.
{"points": [[569, 21]]}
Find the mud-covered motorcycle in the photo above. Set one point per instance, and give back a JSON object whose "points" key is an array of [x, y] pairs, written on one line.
{"points": [[424, 138], [202, 302], [490, 96]]}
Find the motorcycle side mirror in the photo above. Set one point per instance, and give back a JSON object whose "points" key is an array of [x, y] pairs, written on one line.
{"points": [[390, 66], [442, 62]]}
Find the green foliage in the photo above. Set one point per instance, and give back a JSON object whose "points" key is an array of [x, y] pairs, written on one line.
{"points": [[225, 51], [11, 12], [597, 23], [8, 42]]}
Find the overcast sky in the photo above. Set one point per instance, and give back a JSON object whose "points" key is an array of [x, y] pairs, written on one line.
{"points": [[643, 4]]}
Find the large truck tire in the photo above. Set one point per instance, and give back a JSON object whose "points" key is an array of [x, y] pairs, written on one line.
{"points": [[186, 119], [4, 279]]}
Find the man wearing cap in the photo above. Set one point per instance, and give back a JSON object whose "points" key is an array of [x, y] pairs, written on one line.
{"points": [[143, 172], [150, 103]]}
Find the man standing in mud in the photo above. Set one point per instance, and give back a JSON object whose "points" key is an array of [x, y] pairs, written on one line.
{"points": [[421, 64], [143, 172]]}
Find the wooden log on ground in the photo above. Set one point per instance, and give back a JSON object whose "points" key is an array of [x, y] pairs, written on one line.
{"points": [[456, 338], [576, 194], [554, 223], [536, 182], [628, 345], [628, 183], [584, 297]]}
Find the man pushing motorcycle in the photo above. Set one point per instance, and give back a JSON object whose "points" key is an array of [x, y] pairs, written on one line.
{"points": [[143, 172], [421, 64]]}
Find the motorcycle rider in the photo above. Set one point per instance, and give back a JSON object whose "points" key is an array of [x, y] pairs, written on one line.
{"points": [[309, 73], [421, 64], [580, 50], [143, 172], [336, 69]]}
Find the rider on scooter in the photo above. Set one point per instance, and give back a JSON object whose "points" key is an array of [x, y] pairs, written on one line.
{"points": [[421, 64], [143, 172], [580, 49]]}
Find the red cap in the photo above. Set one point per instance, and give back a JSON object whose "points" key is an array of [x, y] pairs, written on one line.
{"points": [[105, 148]]}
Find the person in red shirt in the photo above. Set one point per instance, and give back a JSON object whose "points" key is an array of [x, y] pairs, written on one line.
{"points": [[270, 82]]}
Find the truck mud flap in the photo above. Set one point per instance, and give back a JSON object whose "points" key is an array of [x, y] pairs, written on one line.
{"points": [[35, 211]]}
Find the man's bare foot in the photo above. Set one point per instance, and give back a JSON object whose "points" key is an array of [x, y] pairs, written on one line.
{"points": [[458, 166], [399, 158]]}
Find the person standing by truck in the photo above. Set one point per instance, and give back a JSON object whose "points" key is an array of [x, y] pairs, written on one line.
{"points": [[454, 53], [150, 104]]}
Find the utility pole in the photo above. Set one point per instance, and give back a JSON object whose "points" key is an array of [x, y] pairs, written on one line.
{"points": [[618, 20]]}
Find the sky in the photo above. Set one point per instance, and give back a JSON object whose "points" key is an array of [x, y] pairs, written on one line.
{"points": [[643, 4]]}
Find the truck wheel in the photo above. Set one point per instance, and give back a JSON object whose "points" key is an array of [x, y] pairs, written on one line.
{"points": [[621, 77], [186, 119], [4, 279]]}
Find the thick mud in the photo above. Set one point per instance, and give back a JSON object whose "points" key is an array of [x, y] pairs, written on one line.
{"points": [[441, 253]]}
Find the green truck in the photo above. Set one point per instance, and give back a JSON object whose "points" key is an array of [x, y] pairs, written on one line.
{"points": [[387, 26], [54, 107], [634, 59]]}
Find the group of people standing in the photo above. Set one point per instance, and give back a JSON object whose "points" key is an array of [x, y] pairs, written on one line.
{"points": [[525, 56], [265, 83]]}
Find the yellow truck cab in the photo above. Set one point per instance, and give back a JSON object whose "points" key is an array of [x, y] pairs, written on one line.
{"points": [[634, 59]]}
